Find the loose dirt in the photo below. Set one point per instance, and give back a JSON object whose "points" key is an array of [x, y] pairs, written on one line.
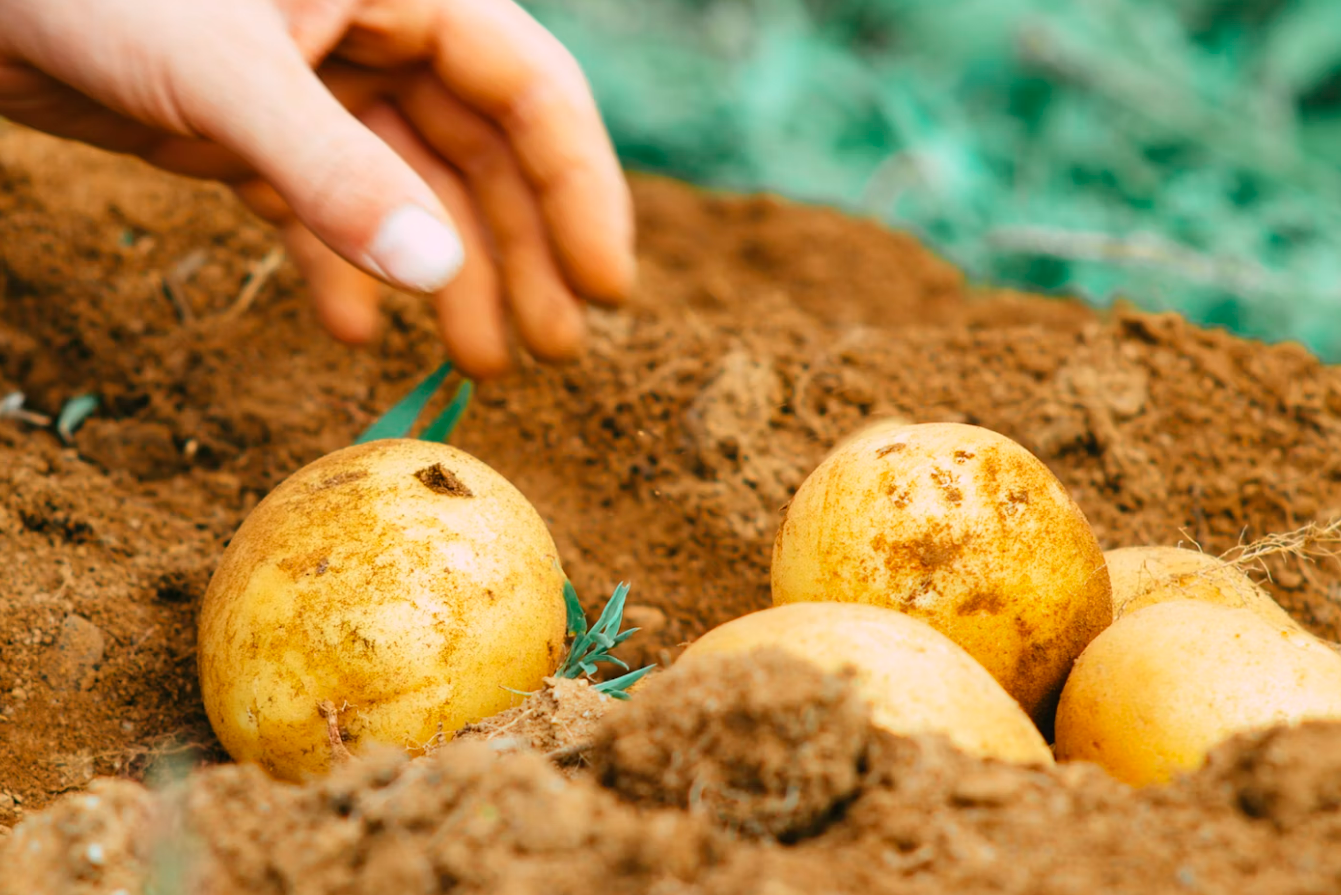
{"points": [[761, 333]]}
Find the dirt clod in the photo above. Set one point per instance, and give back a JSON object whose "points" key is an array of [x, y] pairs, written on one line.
{"points": [[1290, 778], [95, 842], [562, 717], [765, 743], [76, 654]]}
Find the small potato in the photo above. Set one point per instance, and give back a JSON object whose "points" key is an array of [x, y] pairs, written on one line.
{"points": [[1144, 576], [403, 581], [962, 528], [915, 679], [1167, 683]]}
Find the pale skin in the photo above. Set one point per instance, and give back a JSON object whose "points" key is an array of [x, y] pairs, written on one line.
{"points": [[451, 148]]}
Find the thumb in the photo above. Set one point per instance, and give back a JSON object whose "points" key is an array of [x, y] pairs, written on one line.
{"points": [[356, 194]]}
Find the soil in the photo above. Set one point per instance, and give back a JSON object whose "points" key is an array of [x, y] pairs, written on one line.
{"points": [[762, 332]]}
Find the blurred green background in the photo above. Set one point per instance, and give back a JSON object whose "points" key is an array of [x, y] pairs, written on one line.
{"points": [[1180, 154]]}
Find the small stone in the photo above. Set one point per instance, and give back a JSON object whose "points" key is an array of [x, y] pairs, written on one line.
{"points": [[78, 652]]}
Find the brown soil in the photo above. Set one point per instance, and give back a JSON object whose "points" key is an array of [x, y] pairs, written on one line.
{"points": [[762, 332], [559, 720], [857, 810]]}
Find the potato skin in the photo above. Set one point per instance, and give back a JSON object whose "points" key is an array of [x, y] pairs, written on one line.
{"points": [[1167, 683], [403, 580], [915, 679], [963, 528], [1144, 576]]}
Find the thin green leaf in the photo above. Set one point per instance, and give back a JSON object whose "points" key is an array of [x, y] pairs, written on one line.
{"points": [[613, 612], [618, 687], [591, 646], [577, 620], [442, 427], [399, 420], [75, 411]]}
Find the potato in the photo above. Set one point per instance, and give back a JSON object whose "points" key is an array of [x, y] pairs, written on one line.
{"points": [[1144, 576], [1165, 684], [404, 581], [915, 679], [960, 527]]}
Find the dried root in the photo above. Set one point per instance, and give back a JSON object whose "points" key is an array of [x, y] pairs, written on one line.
{"points": [[1310, 542], [339, 751]]}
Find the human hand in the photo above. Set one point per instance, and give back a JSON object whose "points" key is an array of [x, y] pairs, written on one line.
{"points": [[448, 147]]}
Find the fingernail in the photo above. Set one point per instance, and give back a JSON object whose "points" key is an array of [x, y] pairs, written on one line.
{"points": [[416, 250]]}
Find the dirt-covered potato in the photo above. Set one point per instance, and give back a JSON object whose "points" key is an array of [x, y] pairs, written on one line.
{"points": [[403, 582], [963, 528], [915, 679], [1167, 683], [1144, 576]]}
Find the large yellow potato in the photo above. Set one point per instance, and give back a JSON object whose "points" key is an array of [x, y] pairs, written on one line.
{"points": [[1144, 576], [915, 679], [1167, 683], [960, 527], [403, 581]]}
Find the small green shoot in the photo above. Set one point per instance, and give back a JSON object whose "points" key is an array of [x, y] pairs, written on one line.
{"points": [[399, 420], [593, 645], [441, 427], [75, 411]]}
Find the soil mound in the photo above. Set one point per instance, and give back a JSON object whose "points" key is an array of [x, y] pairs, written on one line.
{"points": [[768, 745], [857, 811]]}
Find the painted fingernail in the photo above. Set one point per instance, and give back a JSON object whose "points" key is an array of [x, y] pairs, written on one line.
{"points": [[416, 250]]}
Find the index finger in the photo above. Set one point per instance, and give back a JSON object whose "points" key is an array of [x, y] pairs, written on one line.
{"points": [[502, 62]]}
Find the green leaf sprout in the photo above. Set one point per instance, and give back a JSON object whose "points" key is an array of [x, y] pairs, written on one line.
{"points": [[592, 646], [73, 413], [400, 419]]}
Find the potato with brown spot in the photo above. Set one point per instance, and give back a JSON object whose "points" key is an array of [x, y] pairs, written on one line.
{"points": [[1165, 684], [915, 679], [963, 528], [404, 582], [1144, 576]]}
